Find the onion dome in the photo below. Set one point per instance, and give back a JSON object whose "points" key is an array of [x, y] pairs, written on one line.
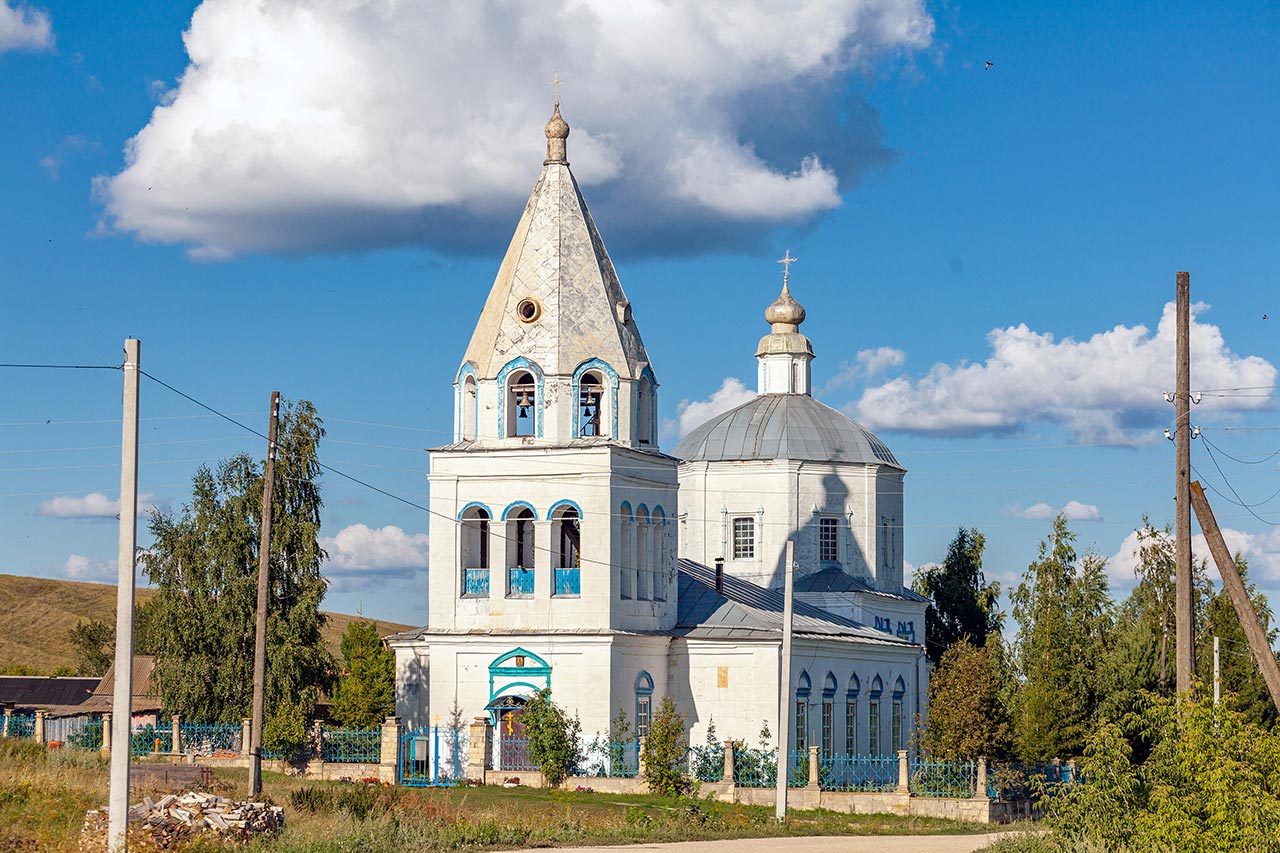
{"points": [[557, 132], [785, 312]]}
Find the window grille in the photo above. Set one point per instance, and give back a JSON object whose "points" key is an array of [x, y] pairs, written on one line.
{"points": [[828, 540], [873, 727], [802, 724], [897, 725], [851, 727], [828, 726], [642, 715], [744, 538]]}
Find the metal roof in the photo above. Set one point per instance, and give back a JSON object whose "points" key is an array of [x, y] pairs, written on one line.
{"points": [[32, 691], [744, 609], [784, 426], [834, 580]]}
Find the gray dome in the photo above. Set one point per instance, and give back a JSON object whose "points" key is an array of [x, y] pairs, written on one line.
{"points": [[784, 426]]}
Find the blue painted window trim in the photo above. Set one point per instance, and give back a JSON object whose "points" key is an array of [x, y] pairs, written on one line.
{"points": [[514, 505], [520, 363], [535, 667], [626, 513], [611, 376], [470, 505], [854, 688], [564, 502], [899, 688], [467, 369], [829, 685], [877, 687]]}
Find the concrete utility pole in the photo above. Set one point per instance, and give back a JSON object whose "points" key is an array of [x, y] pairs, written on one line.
{"points": [[260, 632], [1253, 631], [1184, 621], [122, 695], [784, 681]]}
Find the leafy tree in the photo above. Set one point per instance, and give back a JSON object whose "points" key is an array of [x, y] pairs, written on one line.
{"points": [[553, 738], [665, 748], [366, 693], [204, 566], [967, 713], [961, 602], [95, 644], [1064, 611], [1243, 687]]}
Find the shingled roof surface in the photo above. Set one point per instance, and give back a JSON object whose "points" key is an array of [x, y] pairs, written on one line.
{"points": [[29, 692]]}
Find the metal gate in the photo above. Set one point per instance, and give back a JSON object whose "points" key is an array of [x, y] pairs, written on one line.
{"points": [[431, 755]]}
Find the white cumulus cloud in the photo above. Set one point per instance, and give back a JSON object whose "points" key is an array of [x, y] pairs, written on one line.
{"points": [[692, 413], [81, 568], [328, 125], [1073, 510], [358, 554], [92, 505], [867, 364], [1106, 389], [1262, 550], [24, 28]]}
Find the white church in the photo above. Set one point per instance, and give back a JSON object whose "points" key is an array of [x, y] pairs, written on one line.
{"points": [[570, 552]]}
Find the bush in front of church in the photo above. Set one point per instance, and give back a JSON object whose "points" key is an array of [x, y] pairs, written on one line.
{"points": [[665, 746], [552, 736]]}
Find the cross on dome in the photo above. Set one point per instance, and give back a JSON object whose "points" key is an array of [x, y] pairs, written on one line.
{"points": [[786, 261], [556, 83]]}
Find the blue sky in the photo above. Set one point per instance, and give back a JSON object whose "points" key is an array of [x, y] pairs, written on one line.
{"points": [[320, 204]]}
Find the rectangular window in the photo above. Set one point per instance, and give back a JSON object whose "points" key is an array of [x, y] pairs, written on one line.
{"points": [[828, 726], [851, 727], [642, 716], [828, 539], [744, 538], [802, 724], [873, 727], [897, 725]]}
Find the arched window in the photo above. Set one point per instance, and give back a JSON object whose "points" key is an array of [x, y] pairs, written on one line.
{"points": [[470, 408], [645, 405], [873, 716], [644, 559], [626, 552], [899, 736], [520, 550], [802, 712], [474, 551], [522, 403], [659, 575], [644, 703], [591, 420], [566, 536], [828, 714], [851, 716]]}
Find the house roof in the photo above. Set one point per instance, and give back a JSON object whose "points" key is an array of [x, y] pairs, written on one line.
{"points": [[30, 692], [145, 695], [743, 609]]}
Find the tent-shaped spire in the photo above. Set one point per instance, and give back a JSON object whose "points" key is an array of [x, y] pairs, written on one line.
{"points": [[556, 299]]}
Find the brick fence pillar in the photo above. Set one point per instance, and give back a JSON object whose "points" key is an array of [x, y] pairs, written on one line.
{"points": [[175, 733], [246, 727], [106, 732], [7, 716], [640, 743], [815, 767], [389, 748], [478, 748], [728, 762], [904, 773], [38, 734], [980, 787]]}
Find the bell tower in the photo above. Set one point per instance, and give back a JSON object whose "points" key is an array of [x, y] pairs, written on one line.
{"points": [[554, 507]]}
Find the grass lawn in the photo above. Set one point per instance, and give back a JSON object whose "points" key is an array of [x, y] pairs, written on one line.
{"points": [[44, 795]]}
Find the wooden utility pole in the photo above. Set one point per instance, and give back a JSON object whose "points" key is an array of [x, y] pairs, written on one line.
{"points": [[122, 696], [260, 632], [1217, 671], [1184, 619], [784, 682], [1253, 630]]}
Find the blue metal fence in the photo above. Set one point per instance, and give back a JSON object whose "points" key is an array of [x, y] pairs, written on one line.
{"points": [[432, 756], [568, 582], [151, 739], [211, 738], [940, 777], [706, 763], [858, 773], [357, 746], [22, 725]]}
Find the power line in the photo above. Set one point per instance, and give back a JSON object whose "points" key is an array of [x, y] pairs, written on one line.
{"points": [[1239, 501], [1269, 456], [63, 366]]}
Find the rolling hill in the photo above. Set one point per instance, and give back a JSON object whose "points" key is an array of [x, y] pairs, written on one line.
{"points": [[37, 614]]}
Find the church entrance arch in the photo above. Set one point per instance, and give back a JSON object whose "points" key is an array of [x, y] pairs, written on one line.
{"points": [[514, 677]]}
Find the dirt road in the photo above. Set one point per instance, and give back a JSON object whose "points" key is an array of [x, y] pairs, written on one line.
{"points": [[811, 844]]}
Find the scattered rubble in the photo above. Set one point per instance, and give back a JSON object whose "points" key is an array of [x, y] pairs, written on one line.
{"points": [[166, 823]]}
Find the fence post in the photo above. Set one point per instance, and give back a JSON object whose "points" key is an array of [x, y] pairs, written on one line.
{"points": [[728, 762], [478, 749], [815, 766], [175, 733], [640, 742], [1057, 769], [904, 773], [317, 737], [389, 749], [106, 732], [7, 716], [1071, 771], [38, 734], [245, 725], [980, 787]]}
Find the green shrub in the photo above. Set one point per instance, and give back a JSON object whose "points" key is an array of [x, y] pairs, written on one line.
{"points": [[665, 749], [286, 730], [553, 738]]}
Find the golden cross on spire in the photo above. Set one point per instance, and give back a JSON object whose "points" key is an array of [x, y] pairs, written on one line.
{"points": [[786, 261], [556, 83]]}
